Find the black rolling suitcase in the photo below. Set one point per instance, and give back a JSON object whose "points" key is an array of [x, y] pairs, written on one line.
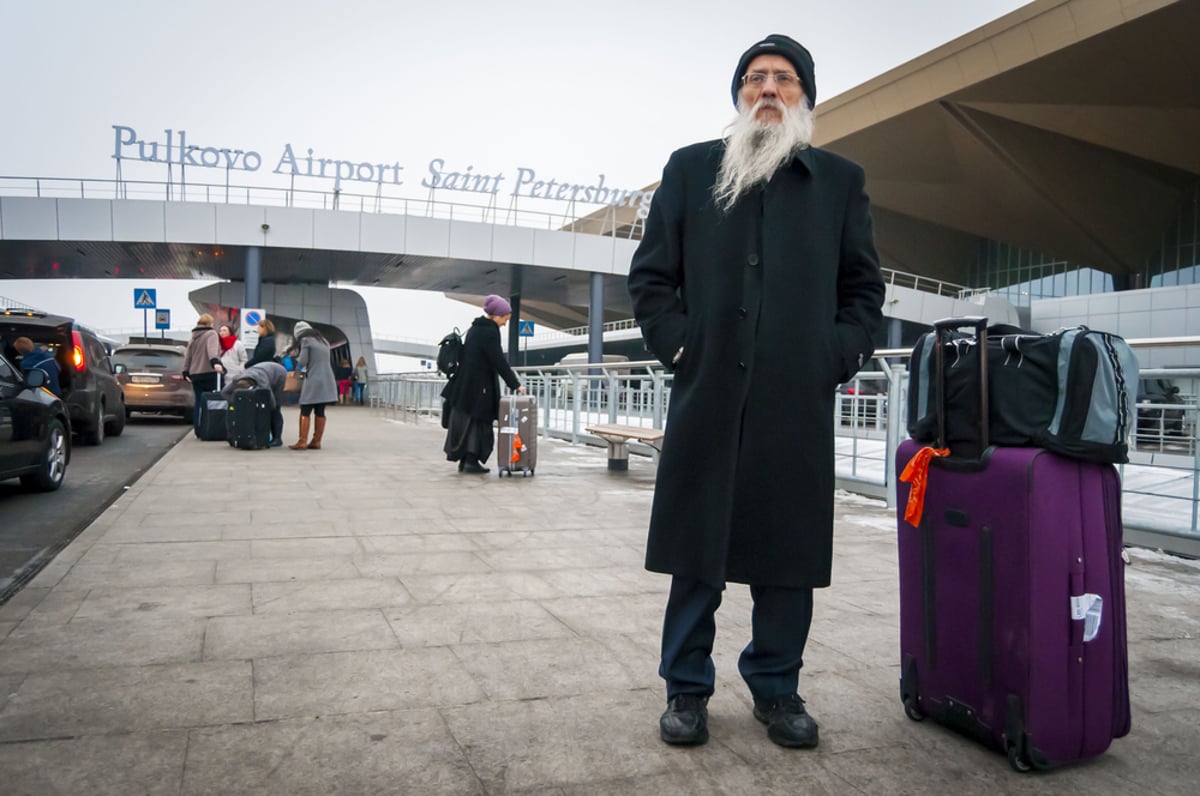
{"points": [[250, 419], [213, 409]]}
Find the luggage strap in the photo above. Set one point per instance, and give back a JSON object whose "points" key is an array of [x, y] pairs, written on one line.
{"points": [[916, 472]]}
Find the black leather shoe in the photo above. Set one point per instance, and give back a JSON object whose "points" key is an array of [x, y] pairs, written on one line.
{"points": [[474, 467], [685, 722], [788, 723]]}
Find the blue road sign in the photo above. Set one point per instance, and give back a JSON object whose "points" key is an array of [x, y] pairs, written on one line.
{"points": [[162, 319], [145, 298], [252, 317], [525, 329]]}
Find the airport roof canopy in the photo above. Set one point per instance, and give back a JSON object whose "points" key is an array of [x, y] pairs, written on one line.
{"points": [[1068, 127]]}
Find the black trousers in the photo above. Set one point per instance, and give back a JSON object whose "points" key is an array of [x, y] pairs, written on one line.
{"points": [[770, 663]]}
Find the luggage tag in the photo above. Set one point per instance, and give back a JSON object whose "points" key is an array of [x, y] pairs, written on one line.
{"points": [[1089, 608]]}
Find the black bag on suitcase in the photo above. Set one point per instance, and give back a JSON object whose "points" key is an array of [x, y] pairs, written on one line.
{"points": [[250, 419], [213, 409], [1071, 392]]}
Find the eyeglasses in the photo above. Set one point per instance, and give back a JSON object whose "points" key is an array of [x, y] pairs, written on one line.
{"points": [[785, 80]]}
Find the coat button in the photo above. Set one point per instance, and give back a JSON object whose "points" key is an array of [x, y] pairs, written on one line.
{"points": [[752, 260], [742, 312], [742, 365]]}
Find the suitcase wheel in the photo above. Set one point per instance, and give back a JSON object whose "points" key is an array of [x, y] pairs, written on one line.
{"points": [[912, 711], [1018, 761]]}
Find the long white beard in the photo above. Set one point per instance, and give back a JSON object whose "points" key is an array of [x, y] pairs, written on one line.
{"points": [[754, 151]]}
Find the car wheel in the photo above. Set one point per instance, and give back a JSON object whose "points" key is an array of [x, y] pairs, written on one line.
{"points": [[95, 433], [115, 426], [54, 461]]}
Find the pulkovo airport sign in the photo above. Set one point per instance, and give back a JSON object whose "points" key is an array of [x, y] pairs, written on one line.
{"points": [[175, 148]]}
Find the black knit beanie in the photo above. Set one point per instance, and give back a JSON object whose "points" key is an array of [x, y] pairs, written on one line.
{"points": [[789, 48]]}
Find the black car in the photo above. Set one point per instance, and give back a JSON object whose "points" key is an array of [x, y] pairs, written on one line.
{"points": [[35, 431], [90, 390]]}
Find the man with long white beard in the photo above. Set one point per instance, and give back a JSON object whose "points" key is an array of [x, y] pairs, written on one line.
{"points": [[758, 284]]}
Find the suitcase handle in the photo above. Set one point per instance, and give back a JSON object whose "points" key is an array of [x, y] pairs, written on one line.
{"points": [[941, 329]]}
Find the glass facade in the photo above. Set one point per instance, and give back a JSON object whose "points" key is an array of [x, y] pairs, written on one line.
{"points": [[1021, 275], [1178, 261]]}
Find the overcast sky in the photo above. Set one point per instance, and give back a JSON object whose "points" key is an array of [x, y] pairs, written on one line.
{"points": [[569, 90]]}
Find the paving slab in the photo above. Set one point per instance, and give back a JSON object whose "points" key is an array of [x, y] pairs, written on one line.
{"points": [[286, 633], [91, 643], [164, 601], [128, 699], [98, 765], [268, 570], [365, 753], [329, 595], [456, 623], [332, 683], [163, 573]]}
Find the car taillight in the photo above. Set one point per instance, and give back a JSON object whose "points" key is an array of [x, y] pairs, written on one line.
{"points": [[78, 357]]}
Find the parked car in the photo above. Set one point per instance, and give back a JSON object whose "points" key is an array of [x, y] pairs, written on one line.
{"points": [[90, 390], [151, 376], [35, 429]]}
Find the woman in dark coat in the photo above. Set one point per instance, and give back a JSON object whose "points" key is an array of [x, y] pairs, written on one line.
{"points": [[265, 350], [473, 393]]}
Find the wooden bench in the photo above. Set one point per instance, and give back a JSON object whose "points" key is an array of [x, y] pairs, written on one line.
{"points": [[618, 438]]}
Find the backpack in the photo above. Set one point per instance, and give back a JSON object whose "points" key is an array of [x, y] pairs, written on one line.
{"points": [[449, 351]]}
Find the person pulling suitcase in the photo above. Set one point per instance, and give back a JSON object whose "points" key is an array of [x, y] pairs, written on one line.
{"points": [[472, 396]]}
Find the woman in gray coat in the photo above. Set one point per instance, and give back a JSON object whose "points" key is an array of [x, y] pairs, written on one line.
{"points": [[317, 387]]}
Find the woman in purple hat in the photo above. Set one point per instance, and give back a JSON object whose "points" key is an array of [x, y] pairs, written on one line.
{"points": [[473, 393]]}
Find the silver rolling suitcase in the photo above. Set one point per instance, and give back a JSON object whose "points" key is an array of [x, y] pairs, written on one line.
{"points": [[517, 449]]}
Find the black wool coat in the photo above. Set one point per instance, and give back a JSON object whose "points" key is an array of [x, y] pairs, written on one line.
{"points": [[475, 388], [264, 351], [774, 304]]}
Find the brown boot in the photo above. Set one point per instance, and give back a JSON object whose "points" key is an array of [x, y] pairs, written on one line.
{"points": [[301, 444], [319, 432]]}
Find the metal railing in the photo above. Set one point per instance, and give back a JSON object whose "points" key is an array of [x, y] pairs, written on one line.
{"points": [[603, 223], [1161, 482], [13, 304]]}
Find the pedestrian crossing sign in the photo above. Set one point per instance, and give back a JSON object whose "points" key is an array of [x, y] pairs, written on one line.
{"points": [[145, 298]]}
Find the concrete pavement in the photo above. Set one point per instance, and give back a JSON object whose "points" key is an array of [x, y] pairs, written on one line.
{"points": [[363, 619]]}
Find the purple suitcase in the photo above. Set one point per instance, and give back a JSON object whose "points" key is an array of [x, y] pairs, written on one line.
{"points": [[1012, 602]]}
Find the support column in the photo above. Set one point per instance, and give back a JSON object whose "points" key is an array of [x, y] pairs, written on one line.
{"points": [[514, 323], [596, 319], [252, 292]]}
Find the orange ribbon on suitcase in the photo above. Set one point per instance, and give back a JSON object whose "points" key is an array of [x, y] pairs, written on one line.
{"points": [[917, 473], [517, 448]]}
